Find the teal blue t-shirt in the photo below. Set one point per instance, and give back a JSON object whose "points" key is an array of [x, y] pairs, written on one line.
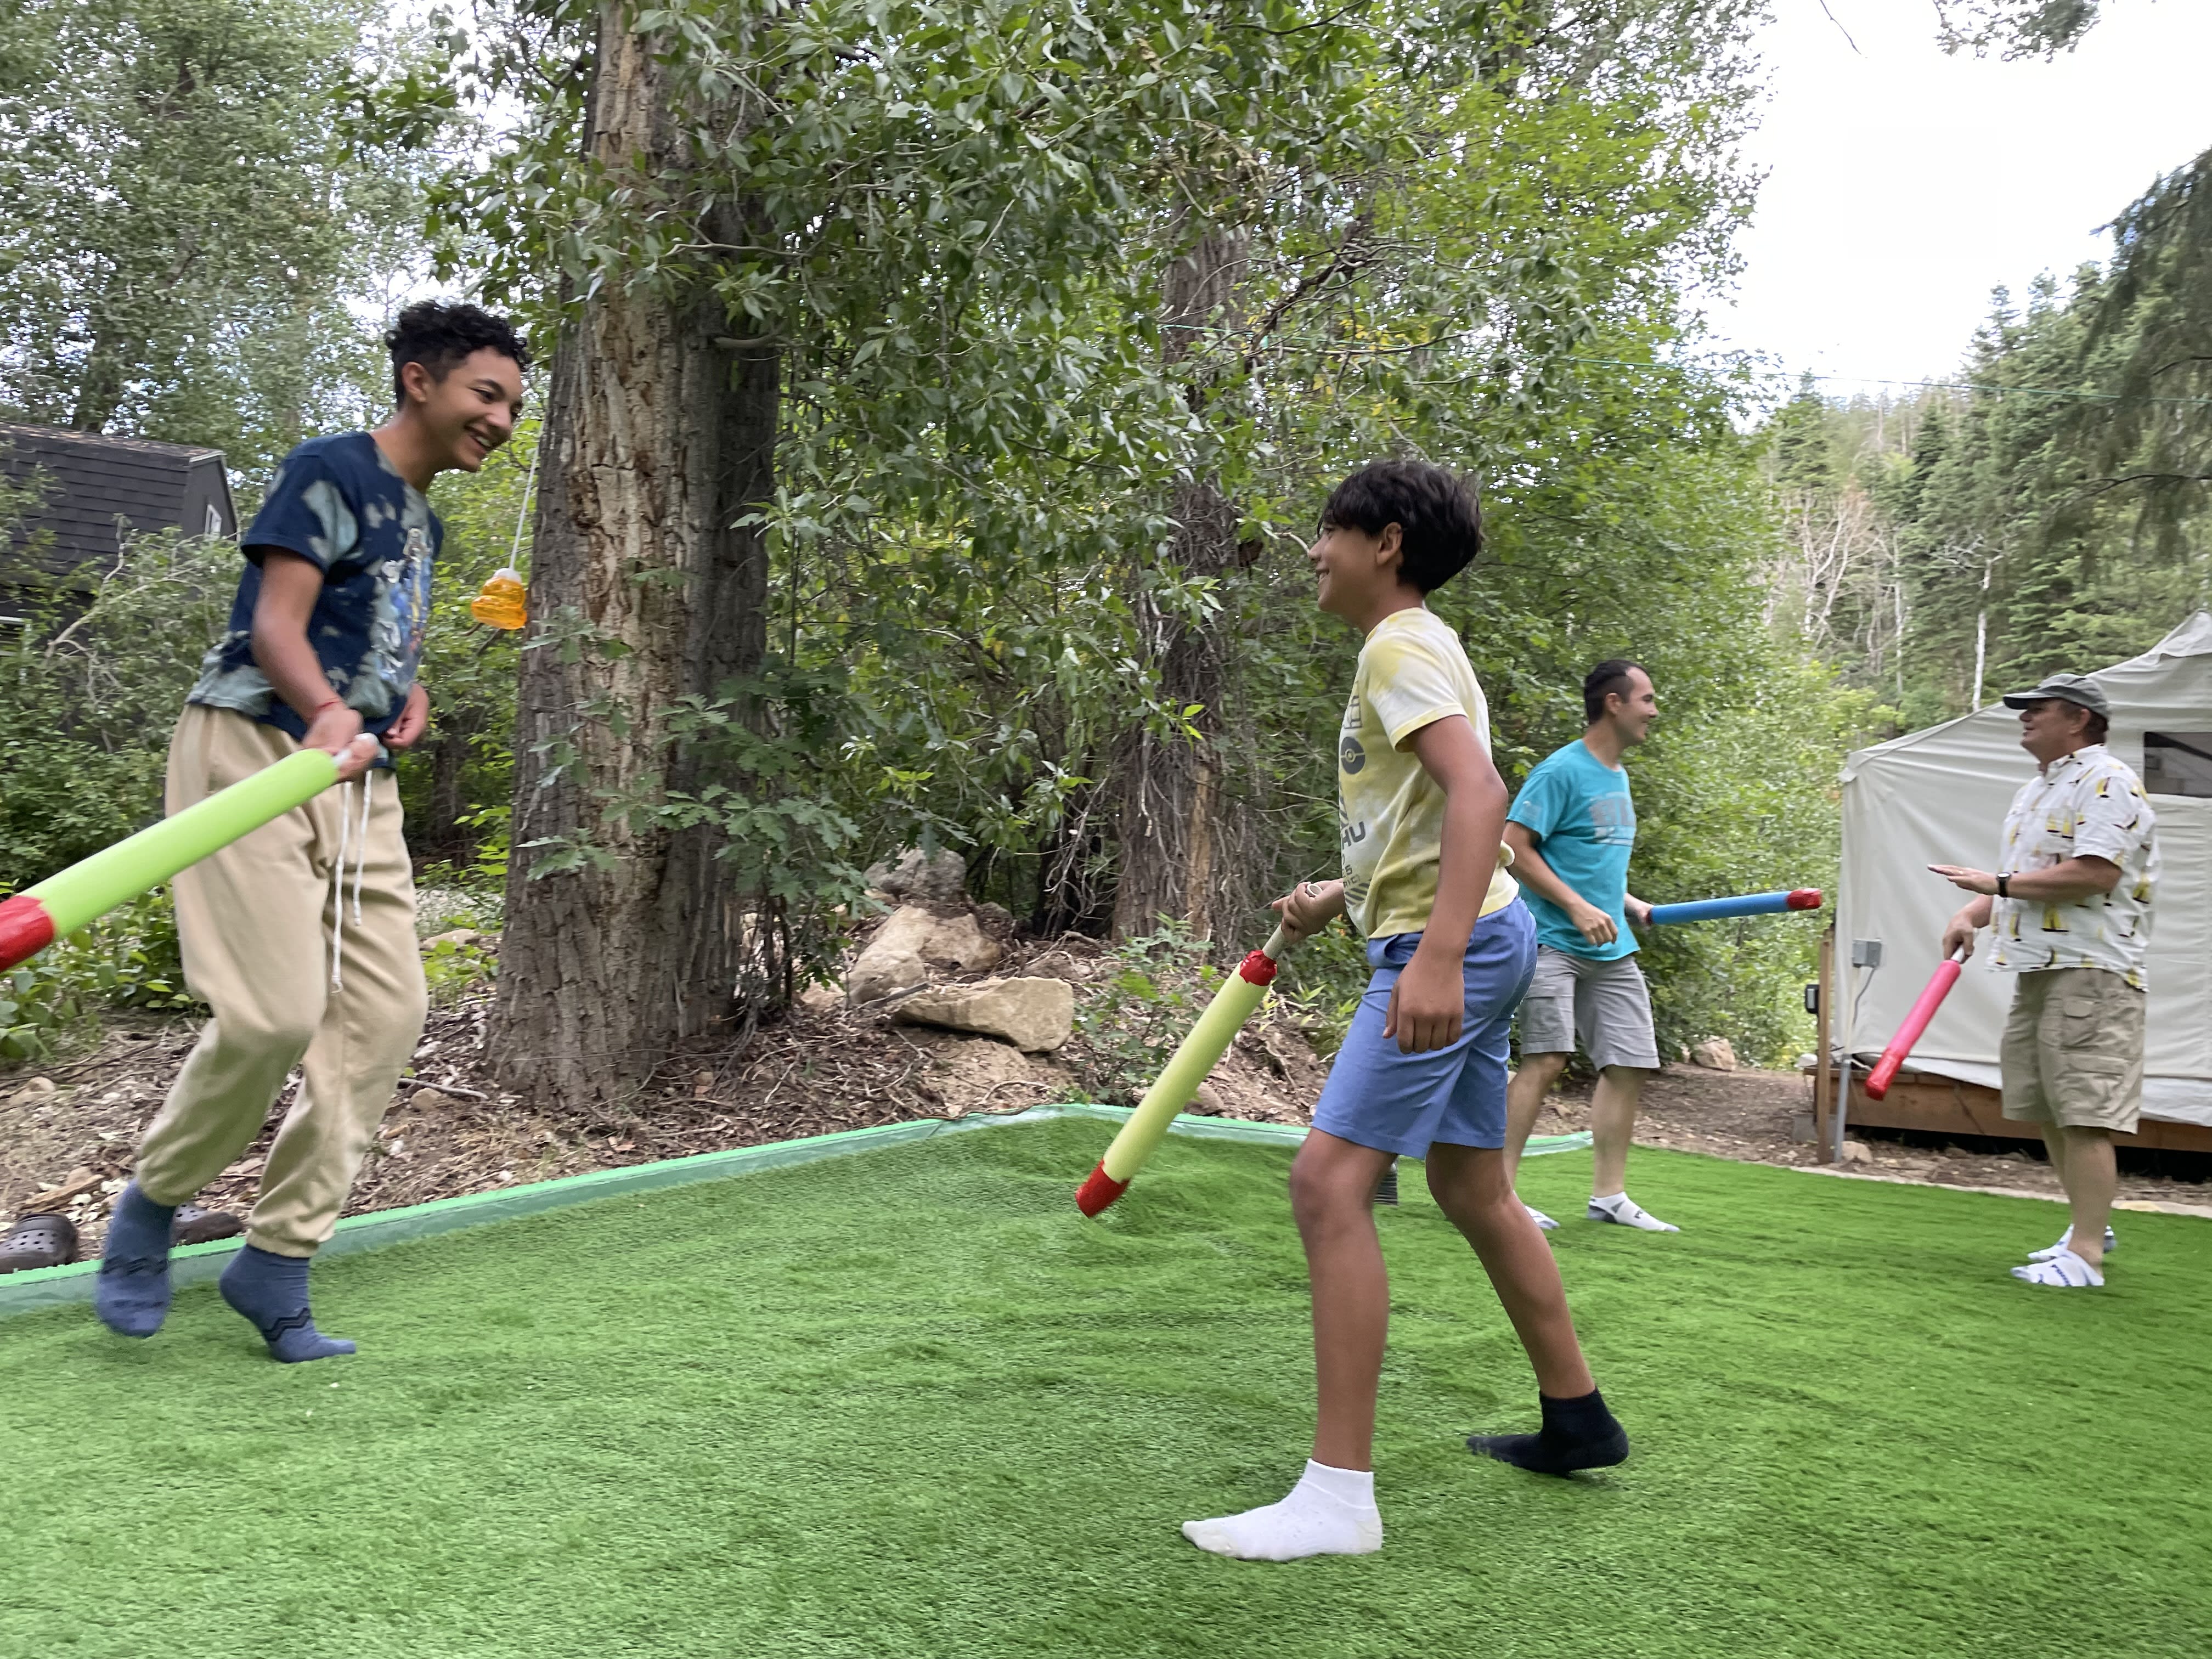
{"points": [[1578, 809]]}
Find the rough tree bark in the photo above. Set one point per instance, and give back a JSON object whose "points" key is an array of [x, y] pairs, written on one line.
{"points": [[660, 434], [1168, 820]]}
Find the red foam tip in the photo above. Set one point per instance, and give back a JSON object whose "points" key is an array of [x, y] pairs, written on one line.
{"points": [[1100, 1190], [1805, 898], [1258, 969], [26, 929]]}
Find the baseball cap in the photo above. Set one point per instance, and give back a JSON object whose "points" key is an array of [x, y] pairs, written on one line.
{"points": [[2078, 689]]}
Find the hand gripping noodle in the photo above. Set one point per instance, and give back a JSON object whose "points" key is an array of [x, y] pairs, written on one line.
{"points": [[1233, 1004], [89, 889], [1901, 1046], [1744, 904]]}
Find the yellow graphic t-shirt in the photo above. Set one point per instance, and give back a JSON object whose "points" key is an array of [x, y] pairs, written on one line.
{"points": [[1390, 811]]}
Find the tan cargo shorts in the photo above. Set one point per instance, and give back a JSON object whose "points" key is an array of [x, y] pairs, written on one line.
{"points": [[2073, 1050]]}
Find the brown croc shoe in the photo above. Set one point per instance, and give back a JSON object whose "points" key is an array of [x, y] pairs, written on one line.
{"points": [[38, 1241], [193, 1225]]}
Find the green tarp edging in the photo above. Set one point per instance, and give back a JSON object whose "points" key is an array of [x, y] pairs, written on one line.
{"points": [[195, 1264]]}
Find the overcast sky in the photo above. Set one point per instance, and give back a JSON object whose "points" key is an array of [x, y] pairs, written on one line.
{"points": [[1903, 185]]}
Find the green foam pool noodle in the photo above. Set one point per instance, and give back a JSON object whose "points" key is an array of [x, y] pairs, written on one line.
{"points": [[90, 888]]}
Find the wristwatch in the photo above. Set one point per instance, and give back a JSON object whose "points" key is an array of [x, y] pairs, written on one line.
{"points": [[2004, 884]]}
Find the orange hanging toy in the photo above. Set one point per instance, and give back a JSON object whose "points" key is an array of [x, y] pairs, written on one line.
{"points": [[503, 602]]}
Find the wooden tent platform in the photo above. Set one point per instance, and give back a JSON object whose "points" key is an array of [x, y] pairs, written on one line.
{"points": [[1943, 1105]]}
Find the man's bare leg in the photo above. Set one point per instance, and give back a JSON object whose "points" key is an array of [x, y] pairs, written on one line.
{"points": [[1524, 1104], [1613, 1127], [2091, 1174]]}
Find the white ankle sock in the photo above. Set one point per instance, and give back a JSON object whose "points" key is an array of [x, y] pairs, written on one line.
{"points": [[1620, 1207], [1330, 1511]]}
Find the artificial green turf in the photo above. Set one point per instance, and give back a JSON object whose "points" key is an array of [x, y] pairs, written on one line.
{"points": [[910, 1403]]}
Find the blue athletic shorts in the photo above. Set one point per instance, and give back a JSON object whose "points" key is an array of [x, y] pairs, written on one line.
{"points": [[1399, 1102]]}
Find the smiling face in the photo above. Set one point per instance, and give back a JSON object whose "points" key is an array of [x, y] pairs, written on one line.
{"points": [[469, 413], [1633, 709], [2052, 726], [1355, 573]]}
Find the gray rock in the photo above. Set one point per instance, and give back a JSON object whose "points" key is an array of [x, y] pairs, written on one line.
{"points": [[1035, 1015], [1715, 1054], [910, 876], [912, 943]]}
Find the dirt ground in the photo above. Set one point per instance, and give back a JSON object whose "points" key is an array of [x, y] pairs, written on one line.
{"points": [[66, 1131], [1751, 1115]]}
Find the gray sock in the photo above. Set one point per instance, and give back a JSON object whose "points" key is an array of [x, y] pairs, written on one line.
{"points": [[271, 1291], [132, 1295]]}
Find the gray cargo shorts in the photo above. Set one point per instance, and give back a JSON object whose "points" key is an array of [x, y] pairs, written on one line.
{"points": [[1604, 1004]]}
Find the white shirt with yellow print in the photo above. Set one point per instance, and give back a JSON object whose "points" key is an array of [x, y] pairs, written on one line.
{"points": [[2087, 804], [1390, 811]]}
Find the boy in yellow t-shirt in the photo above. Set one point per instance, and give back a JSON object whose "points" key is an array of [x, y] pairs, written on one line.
{"points": [[1422, 1071]]}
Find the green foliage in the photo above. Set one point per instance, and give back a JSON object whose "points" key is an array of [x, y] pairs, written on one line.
{"points": [[188, 213], [2050, 513], [1131, 1022], [1460, 232], [2017, 28], [455, 967], [86, 702], [127, 959]]}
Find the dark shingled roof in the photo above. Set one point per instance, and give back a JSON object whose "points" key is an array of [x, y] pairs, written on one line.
{"points": [[91, 481]]}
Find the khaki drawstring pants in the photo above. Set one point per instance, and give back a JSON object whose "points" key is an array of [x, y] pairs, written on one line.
{"points": [[255, 920]]}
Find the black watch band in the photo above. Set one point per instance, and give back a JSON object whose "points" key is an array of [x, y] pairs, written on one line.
{"points": [[2004, 885]]}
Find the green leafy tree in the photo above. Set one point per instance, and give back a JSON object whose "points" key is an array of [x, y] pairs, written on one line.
{"points": [[187, 208]]}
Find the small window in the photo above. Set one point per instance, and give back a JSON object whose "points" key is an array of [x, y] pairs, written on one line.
{"points": [[2177, 763], [214, 521]]}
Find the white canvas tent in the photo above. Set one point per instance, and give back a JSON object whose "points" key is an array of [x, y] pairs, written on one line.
{"points": [[1940, 796]]}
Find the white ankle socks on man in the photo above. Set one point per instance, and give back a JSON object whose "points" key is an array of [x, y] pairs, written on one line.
{"points": [[1330, 1511], [2066, 1243], [1619, 1207]]}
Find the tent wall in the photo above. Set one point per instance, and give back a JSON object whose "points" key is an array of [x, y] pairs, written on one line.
{"points": [[1940, 797]]}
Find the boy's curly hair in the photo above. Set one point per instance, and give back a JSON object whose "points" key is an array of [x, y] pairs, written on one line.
{"points": [[438, 333], [1438, 516]]}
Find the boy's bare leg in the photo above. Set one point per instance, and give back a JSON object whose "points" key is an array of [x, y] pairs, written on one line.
{"points": [[1331, 1510], [1331, 1187], [1471, 1188], [1524, 1104], [1579, 1433]]}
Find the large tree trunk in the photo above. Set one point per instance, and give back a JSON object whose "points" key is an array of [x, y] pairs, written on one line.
{"points": [[659, 436], [1169, 823]]}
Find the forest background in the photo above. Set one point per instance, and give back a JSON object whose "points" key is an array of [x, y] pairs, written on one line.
{"points": [[982, 367]]}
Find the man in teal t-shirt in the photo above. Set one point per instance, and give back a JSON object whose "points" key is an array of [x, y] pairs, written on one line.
{"points": [[1571, 828]]}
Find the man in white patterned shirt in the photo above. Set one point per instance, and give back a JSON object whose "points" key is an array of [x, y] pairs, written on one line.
{"points": [[2070, 910]]}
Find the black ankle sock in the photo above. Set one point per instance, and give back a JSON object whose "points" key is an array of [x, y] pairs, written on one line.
{"points": [[1579, 1433], [1584, 1417]]}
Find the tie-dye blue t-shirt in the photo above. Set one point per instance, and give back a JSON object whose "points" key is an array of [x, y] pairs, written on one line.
{"points": [[336, 503]]}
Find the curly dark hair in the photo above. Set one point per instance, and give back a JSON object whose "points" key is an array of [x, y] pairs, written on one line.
{"points": [[438, 333], [1436, 512]]}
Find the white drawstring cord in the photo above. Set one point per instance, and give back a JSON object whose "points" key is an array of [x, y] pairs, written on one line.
{"points": [[337, 896], [361, 851], [360, 845]]}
